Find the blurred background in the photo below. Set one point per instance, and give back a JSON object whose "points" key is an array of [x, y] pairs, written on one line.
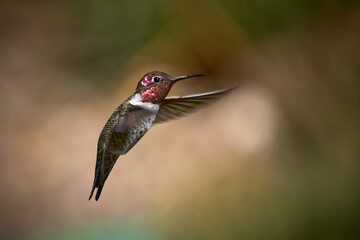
{"points": [[276, 159]]}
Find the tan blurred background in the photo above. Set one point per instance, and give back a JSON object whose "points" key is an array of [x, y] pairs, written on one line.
{"points": [[277, 159]]}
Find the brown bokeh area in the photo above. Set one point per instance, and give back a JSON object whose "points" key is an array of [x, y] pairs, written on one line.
{"points": [[278, 158]]}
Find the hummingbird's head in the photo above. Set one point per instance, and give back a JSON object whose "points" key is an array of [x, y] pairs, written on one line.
{"points": [[155, 86]]}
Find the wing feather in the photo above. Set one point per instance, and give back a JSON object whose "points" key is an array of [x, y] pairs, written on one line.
{"points": [[176, 107]]}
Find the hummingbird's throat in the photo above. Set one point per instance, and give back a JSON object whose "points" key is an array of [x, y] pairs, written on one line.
{"points": [[155, 94]]}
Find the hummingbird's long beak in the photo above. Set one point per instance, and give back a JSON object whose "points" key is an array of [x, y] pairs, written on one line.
{"points": [[186, 77]]}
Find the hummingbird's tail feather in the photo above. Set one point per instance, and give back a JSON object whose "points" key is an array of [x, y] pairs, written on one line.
{"points": [[99, 168], [99, 187], [102, 172], [95, 184], [98, 192], [92, 191], [100, 183]]}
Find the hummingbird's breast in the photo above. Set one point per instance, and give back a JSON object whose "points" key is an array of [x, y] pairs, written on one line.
{"points": [[135, 133], [134, 124]]}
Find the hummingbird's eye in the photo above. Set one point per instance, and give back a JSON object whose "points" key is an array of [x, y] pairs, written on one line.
{"points": [[156, 79]]}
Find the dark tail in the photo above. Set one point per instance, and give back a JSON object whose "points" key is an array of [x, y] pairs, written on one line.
{"points": [[101, 174], [96, 185], [99, 182], [99, 185]]}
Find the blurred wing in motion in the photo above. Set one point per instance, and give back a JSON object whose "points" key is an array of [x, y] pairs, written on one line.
{"points": [[176, 107]]}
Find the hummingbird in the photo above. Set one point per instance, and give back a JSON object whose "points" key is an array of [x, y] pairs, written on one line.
{"points": [[134, 117]]}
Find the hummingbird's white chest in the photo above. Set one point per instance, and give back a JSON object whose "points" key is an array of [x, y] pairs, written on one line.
{"points": [[151, 107]]}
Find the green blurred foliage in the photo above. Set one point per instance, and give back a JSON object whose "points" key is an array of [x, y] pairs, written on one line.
{"points": [[108, 33], [110, 230]]}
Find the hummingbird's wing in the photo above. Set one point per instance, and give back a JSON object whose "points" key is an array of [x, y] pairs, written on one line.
{"points": [[176, 107], [121, 132]]}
